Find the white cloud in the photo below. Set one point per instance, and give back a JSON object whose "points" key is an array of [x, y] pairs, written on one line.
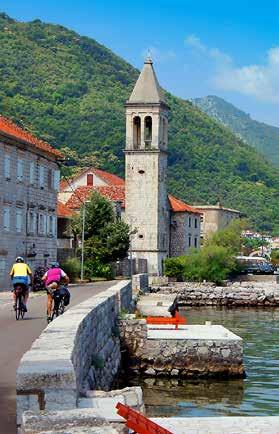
{"points": [[258, 80], [158, 55]]}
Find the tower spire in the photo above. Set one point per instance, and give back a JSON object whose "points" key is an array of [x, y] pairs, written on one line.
{"points": [[147, 88]]}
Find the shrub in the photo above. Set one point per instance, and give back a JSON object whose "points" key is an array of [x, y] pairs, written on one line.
{"points": [[72, 268], [275, 257], [212, 263], [95, 268], [174, 267]]}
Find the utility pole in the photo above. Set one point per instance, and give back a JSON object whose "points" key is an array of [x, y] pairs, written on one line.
{"points": [[82, 242]]}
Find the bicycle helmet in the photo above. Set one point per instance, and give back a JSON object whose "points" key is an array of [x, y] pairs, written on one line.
{"points": [[19, 259], [54, 264]]}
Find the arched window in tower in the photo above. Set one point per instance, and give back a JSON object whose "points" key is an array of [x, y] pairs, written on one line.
{"points": [[136, 131], [148, 130]]}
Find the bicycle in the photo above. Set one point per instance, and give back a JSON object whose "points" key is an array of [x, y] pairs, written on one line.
{"points": [[19, 305], [58, 305]]}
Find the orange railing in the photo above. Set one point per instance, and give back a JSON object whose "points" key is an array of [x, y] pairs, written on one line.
{"points": [[176, 320], [139, 423]]}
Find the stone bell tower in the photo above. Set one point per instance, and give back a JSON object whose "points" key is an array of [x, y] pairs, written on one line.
{"points": [[147, 208]]}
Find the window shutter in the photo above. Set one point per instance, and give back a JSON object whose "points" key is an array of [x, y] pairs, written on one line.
{"points": [[20, 169], [42, 176], [53, 225], [32, 172], [6, 218], [45, 224], [18, 220], [56, 179], [7, 166]]}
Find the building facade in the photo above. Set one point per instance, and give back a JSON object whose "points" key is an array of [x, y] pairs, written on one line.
{"points": [[215, 218], [29, 182]]}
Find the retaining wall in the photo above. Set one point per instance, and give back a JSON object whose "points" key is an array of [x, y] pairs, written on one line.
{"points": [[191, 351], [234, 294], [55, 370]]}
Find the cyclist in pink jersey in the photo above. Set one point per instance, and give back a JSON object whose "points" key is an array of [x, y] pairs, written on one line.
{"points": [[52, 279]]}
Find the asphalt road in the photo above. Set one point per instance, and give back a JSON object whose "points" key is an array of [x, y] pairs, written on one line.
{"points": [[16, 338]]}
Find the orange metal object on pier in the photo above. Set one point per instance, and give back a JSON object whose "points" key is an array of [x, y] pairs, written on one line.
{"points": [[139, 423], [176, 320]]}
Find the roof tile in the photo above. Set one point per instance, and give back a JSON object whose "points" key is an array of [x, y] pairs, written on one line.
{"points": [[10, 128]]}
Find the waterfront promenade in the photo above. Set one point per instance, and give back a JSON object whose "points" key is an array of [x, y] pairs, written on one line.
{"points": [[16, 337]]}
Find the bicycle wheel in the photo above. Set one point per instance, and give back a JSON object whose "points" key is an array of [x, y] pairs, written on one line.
{"points": [[61, 308], [17, 309], [55, 311], [22, 311]]}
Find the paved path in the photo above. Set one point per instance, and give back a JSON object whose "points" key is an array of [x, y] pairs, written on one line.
{"points": [[16, 338]]}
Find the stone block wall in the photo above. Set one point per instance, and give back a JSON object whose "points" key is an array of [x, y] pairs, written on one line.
{"points": [[55, 370], [140, 282], [242, 294], [179, 357]]}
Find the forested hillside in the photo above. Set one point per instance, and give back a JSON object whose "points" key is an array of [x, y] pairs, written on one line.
{"points": [[71, 90], [265, 138]]}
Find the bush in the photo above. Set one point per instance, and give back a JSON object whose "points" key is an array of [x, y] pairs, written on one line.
{"points": [[72, 268], [212, 263], [275, 257], [95, 268], [174, 267]]}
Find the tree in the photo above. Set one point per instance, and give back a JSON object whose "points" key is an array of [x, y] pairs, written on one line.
{"points": [[107, 238]]}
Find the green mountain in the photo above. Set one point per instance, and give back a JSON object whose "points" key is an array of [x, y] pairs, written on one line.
{"points": [[263, 137], [71, 90]]}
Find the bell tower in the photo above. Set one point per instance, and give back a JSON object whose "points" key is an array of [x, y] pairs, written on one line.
{"points": [[147, 208]]}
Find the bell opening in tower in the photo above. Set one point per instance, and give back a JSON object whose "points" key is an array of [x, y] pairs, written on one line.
{"points": [[136, 132], [148, 130]]}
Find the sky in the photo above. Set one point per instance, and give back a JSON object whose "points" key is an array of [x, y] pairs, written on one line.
{"points": [[199, 48]]}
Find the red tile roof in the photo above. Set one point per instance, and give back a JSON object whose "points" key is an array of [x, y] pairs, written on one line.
{"points": [[63, 210], [81, 194], [108, 178], [179, 206], [11, 129]]}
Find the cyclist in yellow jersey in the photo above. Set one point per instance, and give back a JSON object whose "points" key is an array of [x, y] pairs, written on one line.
{"points": [[20, 274]]}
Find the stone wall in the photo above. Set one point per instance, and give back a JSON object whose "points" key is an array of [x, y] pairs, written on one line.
{"points": [[84, 340], [234, 294], [140, 282], [220, 355]]}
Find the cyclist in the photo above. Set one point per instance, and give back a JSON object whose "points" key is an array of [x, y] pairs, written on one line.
{"points": [[21, 275], [52, 279]]}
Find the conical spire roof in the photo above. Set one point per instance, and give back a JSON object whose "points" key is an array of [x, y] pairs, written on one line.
{"points": [[147, 88]]}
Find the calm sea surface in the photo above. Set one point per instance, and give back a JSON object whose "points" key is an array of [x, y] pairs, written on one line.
{"points": [[258, 394]]}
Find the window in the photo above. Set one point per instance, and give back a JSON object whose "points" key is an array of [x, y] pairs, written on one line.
{"points": [[50, 225], [19, 170], [32, 222], [189, 222], [42, 224], [196, 222], [54, 225], [56, 180], [3, 265], [32, 173], [90, 179], [50, 179], [42, 177], [6, 218], [196, 242], [189, 241], [136, 131], [7, 166], [19, 221], [148, 130]]}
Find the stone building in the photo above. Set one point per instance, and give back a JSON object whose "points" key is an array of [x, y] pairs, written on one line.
{"points": [[215, 217], [29, 181]]}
